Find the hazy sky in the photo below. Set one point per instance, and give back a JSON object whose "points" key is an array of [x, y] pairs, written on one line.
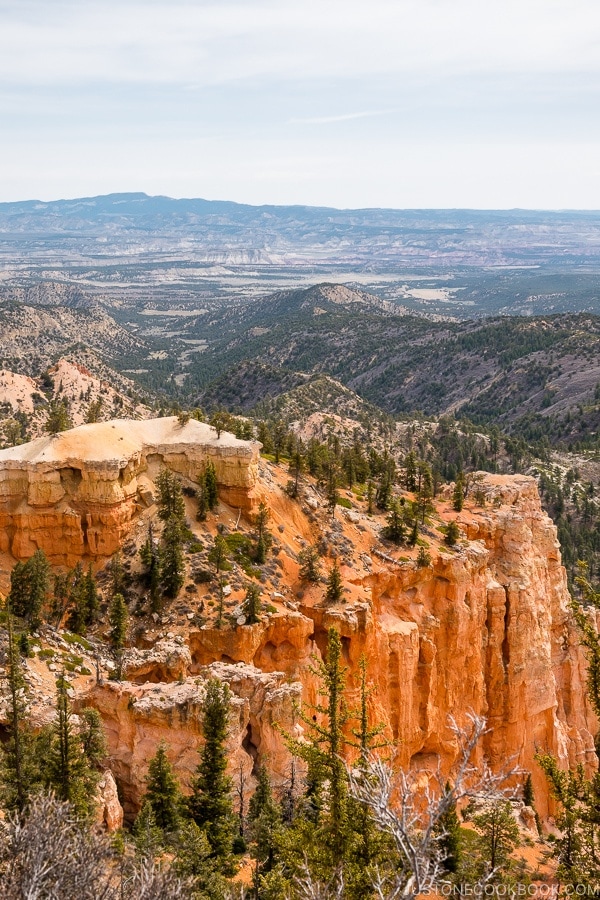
{"points": [[404, 103]]}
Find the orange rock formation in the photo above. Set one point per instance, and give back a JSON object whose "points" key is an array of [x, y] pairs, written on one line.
{"points": [[486, 628], [77, 494]]}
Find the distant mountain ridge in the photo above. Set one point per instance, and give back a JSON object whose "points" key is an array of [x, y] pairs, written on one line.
{"points": [[317, 234]]}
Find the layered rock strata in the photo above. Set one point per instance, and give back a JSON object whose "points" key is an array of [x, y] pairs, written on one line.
{"points": [[485, 629], [77, 493]]}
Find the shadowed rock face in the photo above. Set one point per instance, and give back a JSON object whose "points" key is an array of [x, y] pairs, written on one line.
{"points": [[78, 493]]}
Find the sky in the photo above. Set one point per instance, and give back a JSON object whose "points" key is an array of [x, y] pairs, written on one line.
{"points": [[360, 103]]}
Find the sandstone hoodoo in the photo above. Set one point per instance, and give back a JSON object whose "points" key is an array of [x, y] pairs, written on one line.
{"points": [[77, 493]]}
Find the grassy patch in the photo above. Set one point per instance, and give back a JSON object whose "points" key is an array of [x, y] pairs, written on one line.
{"points": [[77, 639]]}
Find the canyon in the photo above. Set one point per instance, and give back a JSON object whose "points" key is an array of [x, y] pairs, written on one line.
{"points": [[485, 628]]}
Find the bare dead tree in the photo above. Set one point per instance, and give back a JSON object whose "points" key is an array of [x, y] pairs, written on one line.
{"points": [[411, 814], [306, 888], [46, 853]]}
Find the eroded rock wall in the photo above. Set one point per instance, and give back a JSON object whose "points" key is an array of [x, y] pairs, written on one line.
{"points": [[485, 628], [77, 493]]}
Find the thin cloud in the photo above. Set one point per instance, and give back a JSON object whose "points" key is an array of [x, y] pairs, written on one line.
{"points": [[344, 117]]}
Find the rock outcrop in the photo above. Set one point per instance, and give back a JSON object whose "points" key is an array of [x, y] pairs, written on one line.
{"points": [[138, 717], [486, 628], [77, 493]]}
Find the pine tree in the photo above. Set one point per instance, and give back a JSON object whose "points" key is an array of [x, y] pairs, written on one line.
{"points": [[91, 600], [414, 534], [263, 536], [264, 818], [211, 493], [117, 617], [410, 471], [117, 576], [170, 499], [210, 803], [202, 502], [58, 417], [29, 583], [91, 735], [83, 597], [332, 488], [17, 770], [452, 533], [296, 469], [448, 829], [150, 556], [366, 735], [310, 566], [162, 791], [370, 498], [147, 836], [458, 497], [218, 554], [335, 587], [322, 750], [252, 604], [69, 773], [498, 835], [395, 530], [172, 565], [423, 558], [383, 497]]}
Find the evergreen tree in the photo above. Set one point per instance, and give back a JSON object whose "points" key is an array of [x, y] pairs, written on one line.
{"points": [[17, 768], [448, 829], [218, 554], [296, 470], [414, 534], [333, 497], [310, 566], [117, 576], [211, 493], [117, 617], [252, 604], [91, 735], [162, 791], [29, 583], [263, 536], [395, 530], [210, 803], [83, 598], [170, 496], [322, 752], [69, 773], [91, 600], [410, 471], [423, 558], [458, 497], [383, 497], [150, 556], [147, 836], [264, 818], [335, 586], [202, 510], [452, 533], [172, 564], [498, 836], [58, 417], [370, 497], [195, 860]]}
